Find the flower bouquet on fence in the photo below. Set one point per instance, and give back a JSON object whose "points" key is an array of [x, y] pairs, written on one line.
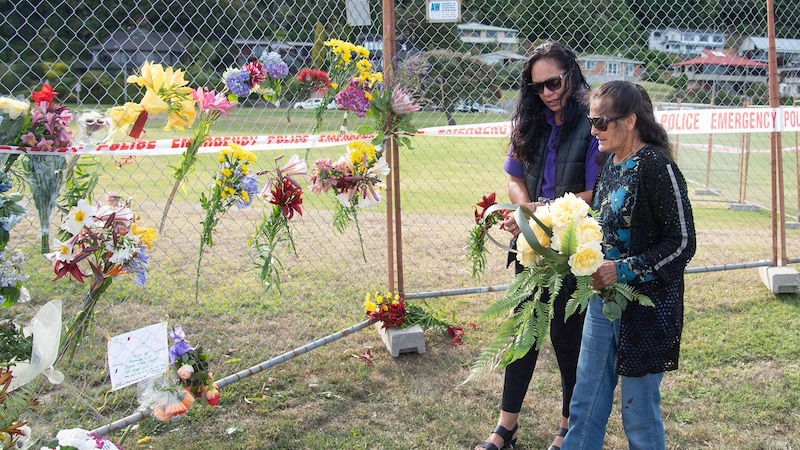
{"points": [[107, 239], [80, 439], [556, 240], [11, 275], [234, 184], [284, 193], [479, 234], [392, 311], [14, 432], [188, 381], [350, 80], [48, 131], [355, 179]]}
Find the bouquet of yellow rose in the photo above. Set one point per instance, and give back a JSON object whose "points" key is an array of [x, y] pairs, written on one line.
{"points": [[556, 240]]}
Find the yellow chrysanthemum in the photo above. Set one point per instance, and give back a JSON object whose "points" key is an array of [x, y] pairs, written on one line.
{"points": [[226, 171], [147, 236], [356, 151]]}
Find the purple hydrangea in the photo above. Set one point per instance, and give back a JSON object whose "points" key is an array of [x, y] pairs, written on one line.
{"points": [[353, 98], [239, 83], [274, 65]]}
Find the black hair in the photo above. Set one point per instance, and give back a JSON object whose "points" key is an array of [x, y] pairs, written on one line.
{"points": [[623, 98], [529, 117]]}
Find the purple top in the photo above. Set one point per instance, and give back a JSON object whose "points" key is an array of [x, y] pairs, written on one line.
{"points": [[515, 167]]}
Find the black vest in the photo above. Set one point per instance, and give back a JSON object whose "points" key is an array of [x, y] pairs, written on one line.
{"points": [[570, 162]]}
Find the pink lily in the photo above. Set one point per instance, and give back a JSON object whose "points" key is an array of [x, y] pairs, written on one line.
{"points": [[209, 100]]}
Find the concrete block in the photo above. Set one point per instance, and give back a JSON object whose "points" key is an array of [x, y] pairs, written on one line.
{"points": [[743, 207], [402, 340], [779, 279], [712, 192]]}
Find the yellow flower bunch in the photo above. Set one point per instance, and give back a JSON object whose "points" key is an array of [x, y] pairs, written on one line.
{"points": [[380, 302], [166, 92], [342, 68], [357, 150]]}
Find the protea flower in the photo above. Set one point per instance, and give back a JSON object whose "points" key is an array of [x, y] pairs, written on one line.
{"points": [[402, 102]]}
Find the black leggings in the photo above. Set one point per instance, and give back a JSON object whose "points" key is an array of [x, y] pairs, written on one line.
{"points": [[566, 339]]}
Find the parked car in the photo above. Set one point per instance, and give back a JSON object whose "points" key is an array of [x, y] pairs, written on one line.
{"points": [[490, 108], [332, 105], [463, 106], [311, 103]]}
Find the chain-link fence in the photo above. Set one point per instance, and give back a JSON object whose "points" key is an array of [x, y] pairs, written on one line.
{"points": [[690, 56]]}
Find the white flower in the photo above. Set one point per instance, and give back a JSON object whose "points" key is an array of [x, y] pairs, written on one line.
{"points": [[121, 214], [79, 216], [63, 251], [13, 107], [295, 167], [380, 168]]}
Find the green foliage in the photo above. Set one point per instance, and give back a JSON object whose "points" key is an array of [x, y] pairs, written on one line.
{"points": [[14, 346], [80, 179]]}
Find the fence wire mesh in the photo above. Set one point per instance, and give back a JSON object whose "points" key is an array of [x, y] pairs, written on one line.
{"points": [[87, 49]]}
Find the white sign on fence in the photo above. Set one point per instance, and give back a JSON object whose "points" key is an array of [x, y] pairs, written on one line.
{"points": [[137, 355]]}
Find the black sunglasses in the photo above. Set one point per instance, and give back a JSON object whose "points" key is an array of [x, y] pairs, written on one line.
{"points": [[601, 123], [553, 84]]}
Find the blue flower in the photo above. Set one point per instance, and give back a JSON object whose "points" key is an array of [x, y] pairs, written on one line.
{"points": [[274, 65], [617, 198], [249, 183], [239, 83], [138, 265], [624, 273], [624, 236]]}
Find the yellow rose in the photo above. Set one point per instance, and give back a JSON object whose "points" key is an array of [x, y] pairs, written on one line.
{"points": [[588, 230], [568, 208], [525, 254], [586, 259], [543, 214]]}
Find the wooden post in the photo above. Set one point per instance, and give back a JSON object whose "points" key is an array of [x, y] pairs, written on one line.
{"points": [[778, 222], [744, 162]]}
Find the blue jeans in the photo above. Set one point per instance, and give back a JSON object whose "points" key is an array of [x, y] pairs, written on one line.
{"points": [[594, 392]]}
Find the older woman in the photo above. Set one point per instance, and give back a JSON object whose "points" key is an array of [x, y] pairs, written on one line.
{"points": [[648, 239]]}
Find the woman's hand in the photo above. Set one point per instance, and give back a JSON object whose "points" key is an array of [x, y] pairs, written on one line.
{"points": [[510, 224], [605, 275]]}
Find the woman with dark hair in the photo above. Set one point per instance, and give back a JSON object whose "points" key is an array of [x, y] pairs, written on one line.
{"points": [[552, 153], [648, 239]]}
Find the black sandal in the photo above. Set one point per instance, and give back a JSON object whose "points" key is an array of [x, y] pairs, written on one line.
{"points": [[509, 441], [560, 433]]}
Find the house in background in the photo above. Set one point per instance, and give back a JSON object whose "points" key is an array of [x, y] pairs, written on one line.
{"points": [[602, 68], [684, 42], [478, 36], [717, 70], [501, 57], [757, 49], [127, 50], [296, 55]]}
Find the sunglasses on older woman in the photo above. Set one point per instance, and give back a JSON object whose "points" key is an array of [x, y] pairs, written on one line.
{"points": [[553, 84], [601, 123]]}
